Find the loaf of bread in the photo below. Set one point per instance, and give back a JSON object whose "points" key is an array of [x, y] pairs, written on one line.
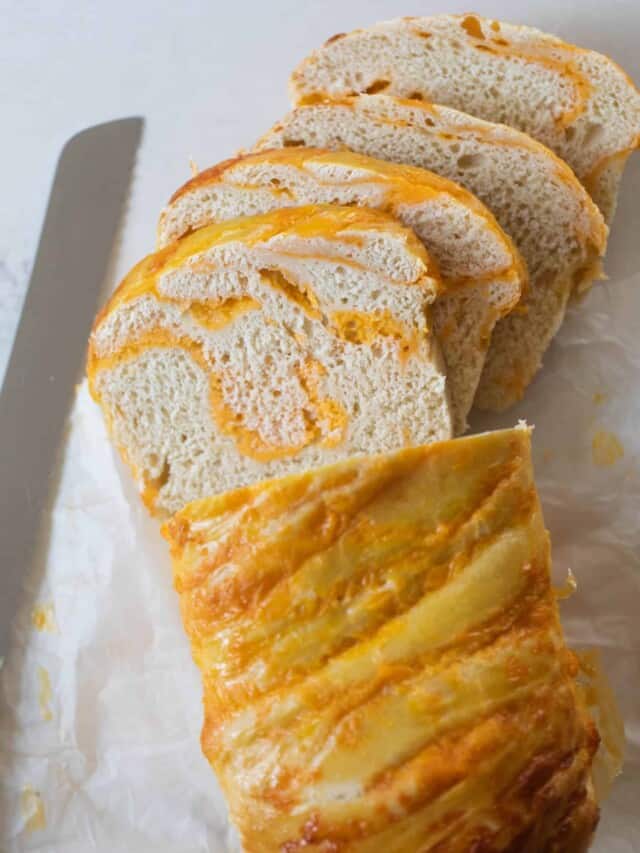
{"points": [[266, 345], [576, 101], [383, 666], [480, 267], [534, 196]]}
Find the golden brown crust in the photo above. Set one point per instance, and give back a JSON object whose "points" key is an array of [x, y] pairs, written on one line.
{"points": [[206, 176], [382, 660]]}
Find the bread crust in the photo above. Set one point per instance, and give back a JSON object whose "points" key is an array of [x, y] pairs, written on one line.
{"points": [[365, 697]]}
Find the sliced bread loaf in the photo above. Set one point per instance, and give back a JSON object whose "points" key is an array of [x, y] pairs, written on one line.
{"points": [[480, 267], [266, 345], [576, 101], [534, 195]]}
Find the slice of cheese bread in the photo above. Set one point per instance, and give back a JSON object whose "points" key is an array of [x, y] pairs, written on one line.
{"points": [[266, 345], [576, 101], [480, 267], [382, 660], [533, 194]]}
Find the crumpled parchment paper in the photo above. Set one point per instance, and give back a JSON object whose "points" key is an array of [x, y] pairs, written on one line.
{"points": [[100, 708]]}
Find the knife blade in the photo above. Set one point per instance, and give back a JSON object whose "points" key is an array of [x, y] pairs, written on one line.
{"points": [[86, 202]]}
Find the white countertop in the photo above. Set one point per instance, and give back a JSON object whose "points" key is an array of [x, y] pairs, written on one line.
{"points": [[208, 77]]}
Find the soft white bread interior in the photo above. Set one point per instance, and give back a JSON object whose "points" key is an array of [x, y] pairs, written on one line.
{"points": [[482, 271], [576, 101], [533, 194], [266, 345]]}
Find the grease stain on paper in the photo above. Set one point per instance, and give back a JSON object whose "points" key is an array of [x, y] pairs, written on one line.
{"points": [[45, 694], [599, 397], [604, 708], [606, 448], [43, 618], [32, 809]]}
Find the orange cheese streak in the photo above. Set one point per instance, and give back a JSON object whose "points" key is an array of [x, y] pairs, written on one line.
{"points": [[326, 419], [215, 316], [360, 328], [249, 442]]}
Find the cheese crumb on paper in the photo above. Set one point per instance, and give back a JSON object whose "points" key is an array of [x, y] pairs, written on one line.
{"points": [[606, 448], [32, 809], [43, 618], [45, 694]]}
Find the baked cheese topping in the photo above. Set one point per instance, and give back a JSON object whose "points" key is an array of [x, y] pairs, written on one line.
{"points": [[381, 655]]}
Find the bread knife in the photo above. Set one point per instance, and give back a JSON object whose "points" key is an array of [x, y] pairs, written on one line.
{"points": [[87, 199]]}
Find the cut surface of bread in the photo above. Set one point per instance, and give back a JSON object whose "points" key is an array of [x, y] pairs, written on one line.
{"points": [[534, 196], [576, 101], [268, 344], [382, 660], [480, 267]]}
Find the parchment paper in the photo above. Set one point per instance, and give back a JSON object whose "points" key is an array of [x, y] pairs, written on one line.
{"points": [[100, 705]]}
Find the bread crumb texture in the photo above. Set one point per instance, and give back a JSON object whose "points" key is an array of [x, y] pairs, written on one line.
{"points": [[268, 344]]}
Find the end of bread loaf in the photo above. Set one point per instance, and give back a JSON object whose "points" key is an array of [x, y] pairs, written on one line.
{"points": [[382, 658], [268, 344]]}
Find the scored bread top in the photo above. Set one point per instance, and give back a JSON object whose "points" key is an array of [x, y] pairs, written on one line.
{"points": [[577, 101], [266, 344], [382, 659], [533, 194], [482, 272]]}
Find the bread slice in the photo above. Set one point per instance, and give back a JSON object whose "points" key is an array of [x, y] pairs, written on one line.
{"points": [[383, 665], [577, 102], [480, 267], [534, 196], [268, 344]]}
